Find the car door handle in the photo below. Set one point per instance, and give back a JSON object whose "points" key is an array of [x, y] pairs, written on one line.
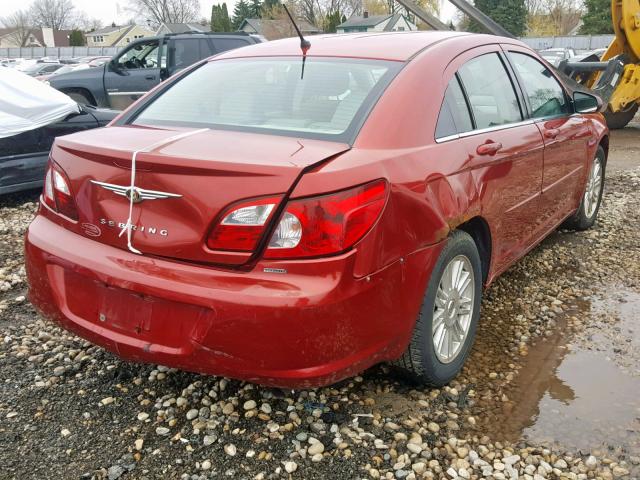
{"points": [[150, 77], [489, 148], [551, 133]]}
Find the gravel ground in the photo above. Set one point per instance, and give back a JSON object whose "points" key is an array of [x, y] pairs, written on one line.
{"points": [[69, 409]]}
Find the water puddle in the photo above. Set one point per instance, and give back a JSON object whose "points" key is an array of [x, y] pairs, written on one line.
{"points": [[583, 395]]}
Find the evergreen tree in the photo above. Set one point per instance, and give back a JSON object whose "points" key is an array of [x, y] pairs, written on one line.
{"points": [[331, 22], [240, 13], [270, 4], [256, 8], [220, 21], [510, 14], [76, 39], [597, 17]]}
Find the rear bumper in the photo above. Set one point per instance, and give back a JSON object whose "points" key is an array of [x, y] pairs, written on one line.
{"points": [[314, 325]]}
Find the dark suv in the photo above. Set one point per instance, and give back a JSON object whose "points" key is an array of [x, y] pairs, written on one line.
{"points": [[142, 65]]}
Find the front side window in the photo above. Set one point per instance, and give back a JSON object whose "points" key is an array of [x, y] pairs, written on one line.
{"points": [[270, 95], [491, 95], [546, 96], [141, 55]]}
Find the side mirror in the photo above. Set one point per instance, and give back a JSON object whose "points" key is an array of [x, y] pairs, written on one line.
{"points": [[586, 103], [115, 67]]}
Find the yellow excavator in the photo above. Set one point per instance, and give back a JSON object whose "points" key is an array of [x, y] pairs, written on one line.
{"points": [[615, 76], [624, 99]]}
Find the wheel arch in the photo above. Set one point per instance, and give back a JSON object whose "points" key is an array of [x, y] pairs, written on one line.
{"points": [[82, 91], [478, 228], [604, 143]]}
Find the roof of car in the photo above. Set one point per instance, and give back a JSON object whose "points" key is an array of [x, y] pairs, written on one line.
{"points": [[399, 46]]}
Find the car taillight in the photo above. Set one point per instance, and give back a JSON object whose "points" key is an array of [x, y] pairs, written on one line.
{"points": [[242, 225], [308, 227], [57, 192], [327, 224]]}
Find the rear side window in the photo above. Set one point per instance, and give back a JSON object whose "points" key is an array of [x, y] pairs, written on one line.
{"points": [[491, 95], [187, 52], [454, 115], [546, 96], [224, 44], [206, 48]]}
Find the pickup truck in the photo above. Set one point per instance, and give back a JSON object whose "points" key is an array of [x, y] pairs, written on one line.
{"points": [[142, 65]]}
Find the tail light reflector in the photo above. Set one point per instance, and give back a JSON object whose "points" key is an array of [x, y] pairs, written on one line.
{"points": [[242, 225], [57, 192]]}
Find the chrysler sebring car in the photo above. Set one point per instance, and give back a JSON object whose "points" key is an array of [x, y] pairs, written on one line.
{"points": [[292, 218]]}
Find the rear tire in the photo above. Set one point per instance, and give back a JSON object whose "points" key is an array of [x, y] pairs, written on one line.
{"points": [[587, 213], [618, 120], [435, 356]]}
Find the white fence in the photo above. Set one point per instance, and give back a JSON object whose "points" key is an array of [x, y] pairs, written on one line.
{"points": [[57, 52], [577, 42]]}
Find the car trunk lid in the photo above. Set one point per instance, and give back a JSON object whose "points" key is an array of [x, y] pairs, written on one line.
{"points": [[199, 172]]}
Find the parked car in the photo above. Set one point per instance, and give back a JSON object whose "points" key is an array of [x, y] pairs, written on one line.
{"points": [[99, 61], [144, 64], [64, 69], [556, 55], [294, 222], [33, 115], [42, 69], [9, 62]]}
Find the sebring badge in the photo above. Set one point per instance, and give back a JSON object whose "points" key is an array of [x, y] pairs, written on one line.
{"points": [[135, 194]]}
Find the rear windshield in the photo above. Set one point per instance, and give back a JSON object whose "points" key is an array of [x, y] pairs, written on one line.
{"points": [[270, 95]]}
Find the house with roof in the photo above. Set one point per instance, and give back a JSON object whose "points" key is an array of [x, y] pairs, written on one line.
{"points": [[34, 37], [117, 36], [12, 38], [394, 22], [275, 29], [167, 28]]}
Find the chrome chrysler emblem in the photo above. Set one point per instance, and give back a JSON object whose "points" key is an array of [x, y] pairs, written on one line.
{"points": [[135, 194]]}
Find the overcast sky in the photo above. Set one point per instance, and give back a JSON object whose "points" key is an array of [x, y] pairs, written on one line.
{"points": [[115, 10]]}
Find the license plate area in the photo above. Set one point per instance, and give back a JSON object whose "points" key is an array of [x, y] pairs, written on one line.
{"points": [[151, 318], [123, 310]]}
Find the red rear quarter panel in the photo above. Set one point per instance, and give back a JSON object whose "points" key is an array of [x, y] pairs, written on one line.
{"points": [[433, 188]]}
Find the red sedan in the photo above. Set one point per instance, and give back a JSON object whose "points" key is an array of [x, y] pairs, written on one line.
{"points": [[293, 223]]}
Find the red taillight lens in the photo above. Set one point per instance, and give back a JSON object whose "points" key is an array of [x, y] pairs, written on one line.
{"points": [[57, 192], [242, 225], [309, 227], [327, 224]]}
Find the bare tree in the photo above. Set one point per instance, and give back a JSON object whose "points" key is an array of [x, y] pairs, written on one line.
{"points": [[83, 22], [316, 11], [20, 23], [564, 15], [535, 7], [310, 10], [552, 17], [167, 11], [56, 14]]}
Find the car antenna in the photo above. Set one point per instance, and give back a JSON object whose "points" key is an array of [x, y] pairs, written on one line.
{"points": [[305, 44]]}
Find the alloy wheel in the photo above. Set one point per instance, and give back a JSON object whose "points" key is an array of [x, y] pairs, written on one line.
{"points": [[453, 308], [594, 185]]}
